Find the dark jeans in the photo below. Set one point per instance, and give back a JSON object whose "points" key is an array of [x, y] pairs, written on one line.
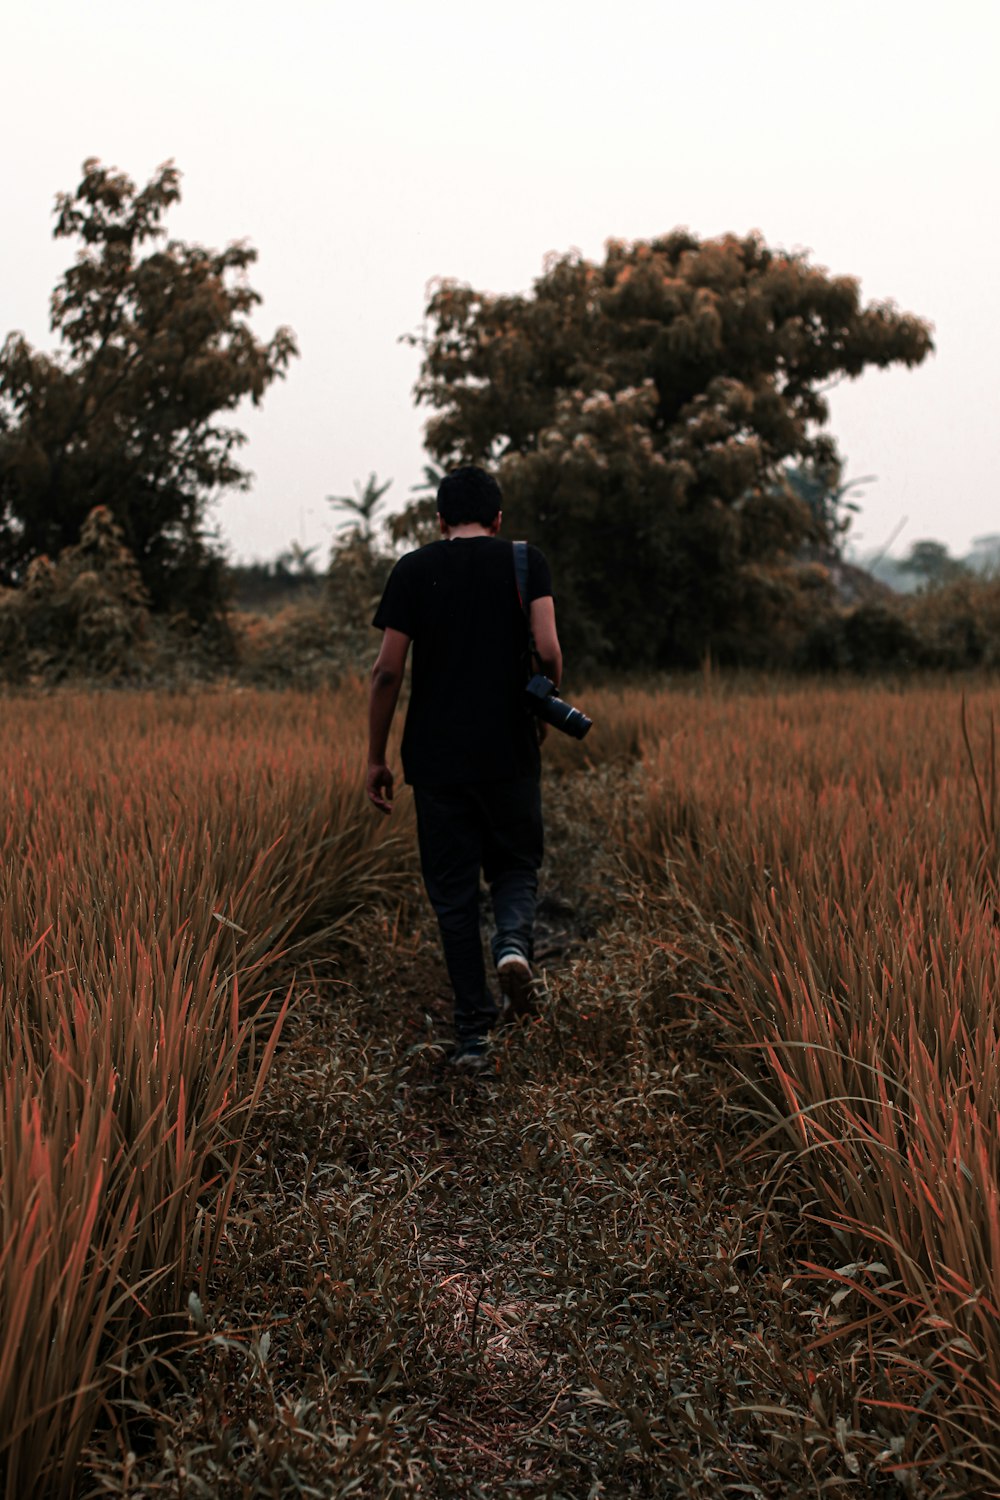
{"points": [[496, 827]]}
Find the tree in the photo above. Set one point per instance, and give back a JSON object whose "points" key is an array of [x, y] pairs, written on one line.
{"points": [[87, 612], [640, 412], [155, 344], [416, 524], [827, 496], [361, 508], [932, 564], [358, 564], [985, 554], [296, 562]]}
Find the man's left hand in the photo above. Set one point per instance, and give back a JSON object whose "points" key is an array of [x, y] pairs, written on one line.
{"points": [[379, 787]]}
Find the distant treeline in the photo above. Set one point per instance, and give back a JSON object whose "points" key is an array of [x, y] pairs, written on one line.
{"points": [[261, 587], [87, 616], [929, 563]]}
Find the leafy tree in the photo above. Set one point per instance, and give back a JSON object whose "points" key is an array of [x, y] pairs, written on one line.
{"points": [[84, 612], [296, 561], [358, 566], [640, 411], [416, 524], [427, 487], [932, 564], [361, 508], [155, 344], [985, 554], [827, 496]]}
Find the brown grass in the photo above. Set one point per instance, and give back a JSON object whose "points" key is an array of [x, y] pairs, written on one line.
{"points": [[839, 842], [164, 865], [617, 1267]]}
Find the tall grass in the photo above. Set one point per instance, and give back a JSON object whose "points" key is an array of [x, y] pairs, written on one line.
{"points": [[837, 841], [174, 871], [166, 866]]}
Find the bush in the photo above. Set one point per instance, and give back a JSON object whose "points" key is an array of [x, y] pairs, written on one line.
{"points": [[878, 637], [303, 644], [85, 614], [959, 623], [955, 627]]}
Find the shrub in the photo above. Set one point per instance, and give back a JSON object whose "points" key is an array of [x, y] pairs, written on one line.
{"points": [[303, 644], [959, 623], [87, 613]]}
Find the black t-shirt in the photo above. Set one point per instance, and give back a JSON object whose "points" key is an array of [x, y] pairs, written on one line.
{"points": [[457, 601]]}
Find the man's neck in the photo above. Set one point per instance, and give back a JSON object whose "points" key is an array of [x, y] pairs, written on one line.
{"points": [[459, 533]]}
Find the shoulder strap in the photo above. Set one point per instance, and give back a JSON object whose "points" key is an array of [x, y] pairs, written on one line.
{"points": [[521, 584], [521, 576]]}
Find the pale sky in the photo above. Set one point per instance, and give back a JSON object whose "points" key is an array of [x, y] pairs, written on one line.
{"points": [[366, 149]]}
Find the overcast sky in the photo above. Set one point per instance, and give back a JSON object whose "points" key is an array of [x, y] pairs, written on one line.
{"points": [[366, 149]]}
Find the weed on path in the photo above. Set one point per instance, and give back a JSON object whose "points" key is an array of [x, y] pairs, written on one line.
{"points": [[558, 1279]]}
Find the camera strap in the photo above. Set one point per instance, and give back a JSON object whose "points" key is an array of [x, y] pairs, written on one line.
{"points": [[521, 584]]}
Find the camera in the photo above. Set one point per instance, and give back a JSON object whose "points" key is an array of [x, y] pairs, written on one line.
{"points": [[545, 703]]}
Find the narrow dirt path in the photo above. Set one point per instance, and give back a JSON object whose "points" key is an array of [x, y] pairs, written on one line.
{"points": [[555, 1280]]}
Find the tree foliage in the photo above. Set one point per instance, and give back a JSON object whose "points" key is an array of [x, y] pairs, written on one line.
{"points": [[642, 411], [359, 562], [827, 496], [155, 345], [932, 563], [82, 613], [359, 512]]}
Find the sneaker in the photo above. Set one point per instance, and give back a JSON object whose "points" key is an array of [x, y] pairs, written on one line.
{"points": [[472, 1055], [517, 986]]}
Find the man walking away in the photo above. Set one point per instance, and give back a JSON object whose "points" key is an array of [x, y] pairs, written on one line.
{"points": [[470, 747]]}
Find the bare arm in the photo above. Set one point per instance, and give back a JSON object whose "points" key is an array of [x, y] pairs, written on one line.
{"points": [[386, 681], [543, 628]]}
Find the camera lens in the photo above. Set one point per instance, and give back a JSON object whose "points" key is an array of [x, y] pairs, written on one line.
{"points": [[564, 716], [546, 703], [576, 724]]}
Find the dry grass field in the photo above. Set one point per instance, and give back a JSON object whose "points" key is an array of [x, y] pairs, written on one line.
{"points": [[163, 861], [724, 1221], [847, 847]]}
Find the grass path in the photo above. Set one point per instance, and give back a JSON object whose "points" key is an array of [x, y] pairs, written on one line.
{"points": [[556, 1281]]}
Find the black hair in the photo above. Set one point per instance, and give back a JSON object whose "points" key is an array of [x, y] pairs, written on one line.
{"points": [[469, 496]]}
